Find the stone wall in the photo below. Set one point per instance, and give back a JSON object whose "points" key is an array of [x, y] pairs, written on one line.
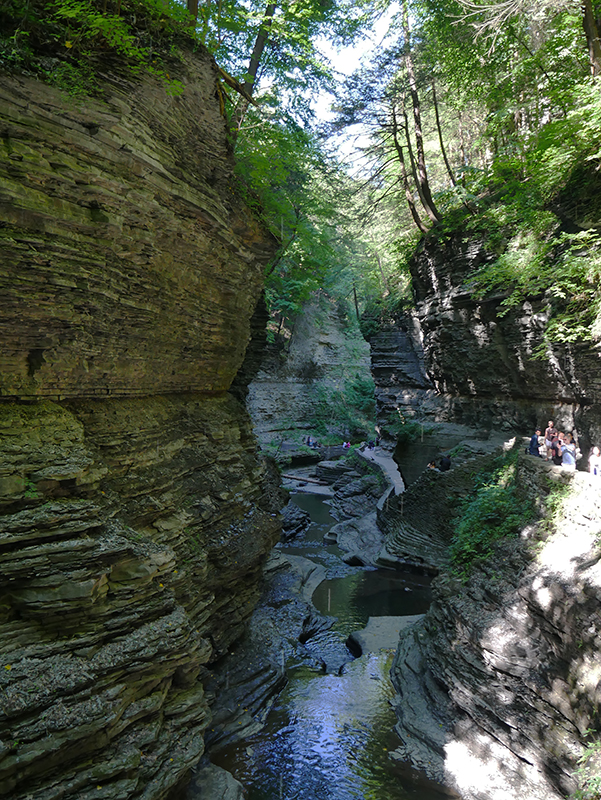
{"points": [[458, 360], [135, 515], [129, 264], [499, 684], [288, 390]]}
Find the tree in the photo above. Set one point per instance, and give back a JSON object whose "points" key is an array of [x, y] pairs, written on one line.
{"points": [[489, 18], [422, 174]]}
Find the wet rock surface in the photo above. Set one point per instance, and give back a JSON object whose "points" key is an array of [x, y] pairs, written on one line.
{"points": [[294, 521], [126, 568], [380, 633], [210, 782], [286, 630]]}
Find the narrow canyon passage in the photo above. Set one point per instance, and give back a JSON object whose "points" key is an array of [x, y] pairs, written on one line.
{"points": [[329, 734]]}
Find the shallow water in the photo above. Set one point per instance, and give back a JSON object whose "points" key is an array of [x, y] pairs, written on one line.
{"points": [[327, 738], [373, 593], [328, 735]]}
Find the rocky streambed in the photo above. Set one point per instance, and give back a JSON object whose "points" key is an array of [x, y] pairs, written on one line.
{"points": [[495, 681], [317, 657]]}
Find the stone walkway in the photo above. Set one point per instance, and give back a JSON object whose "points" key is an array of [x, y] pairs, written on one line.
{"points": [[388, 465]]}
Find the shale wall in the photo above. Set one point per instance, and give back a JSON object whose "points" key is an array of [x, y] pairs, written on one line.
{"points": [[135, 514], [461, 360], [500, 684]]}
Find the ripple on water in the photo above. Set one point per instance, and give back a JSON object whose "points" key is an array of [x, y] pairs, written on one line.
{"points": [[328, 738], [329, 735]]}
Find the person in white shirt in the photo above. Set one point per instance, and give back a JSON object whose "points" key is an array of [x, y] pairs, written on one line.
{"points": [[594, 462]]}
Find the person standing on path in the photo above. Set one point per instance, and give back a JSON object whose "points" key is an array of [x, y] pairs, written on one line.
{"points": [[594, 462], [568, 453], [550, 435]]}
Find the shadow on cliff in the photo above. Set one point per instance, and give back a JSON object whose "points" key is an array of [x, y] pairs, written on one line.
{"points": [[499, 684]]}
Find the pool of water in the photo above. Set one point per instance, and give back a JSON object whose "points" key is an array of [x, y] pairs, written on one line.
{"points": [[328, 738], [329, 735], [373, 593]]}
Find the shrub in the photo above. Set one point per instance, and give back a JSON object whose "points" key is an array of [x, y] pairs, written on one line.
{"points": [[494, 511]]}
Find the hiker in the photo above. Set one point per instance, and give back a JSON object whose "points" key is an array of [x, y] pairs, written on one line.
{"points": [[533, 449]]}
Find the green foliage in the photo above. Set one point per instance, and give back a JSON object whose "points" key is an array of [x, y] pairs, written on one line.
{"points": [[284, 175], [495, 510], [68, 41], [292, 63], [564, 269], [588, 773], [31, 490], [345, 411], [407, 430]]}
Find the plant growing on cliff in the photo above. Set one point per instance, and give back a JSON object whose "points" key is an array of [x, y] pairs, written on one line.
{"points": [[496, 509], [588, 773], [68, 42]]}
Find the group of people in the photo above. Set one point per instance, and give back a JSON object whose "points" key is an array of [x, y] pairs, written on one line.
{"points": [[561, 449]]}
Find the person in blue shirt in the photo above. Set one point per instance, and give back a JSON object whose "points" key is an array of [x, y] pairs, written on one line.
{"points": [[534, 445]]}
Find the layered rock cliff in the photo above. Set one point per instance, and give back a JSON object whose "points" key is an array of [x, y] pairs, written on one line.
{"points": [[456, 359], [302, 389], [499, 684], [135, 512]]}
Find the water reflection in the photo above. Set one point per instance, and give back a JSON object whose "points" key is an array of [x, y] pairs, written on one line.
{"points": [[373, 593], [327, 739], [315, 506], [329, 735]]}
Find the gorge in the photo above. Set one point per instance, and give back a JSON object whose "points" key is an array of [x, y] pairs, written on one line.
{"points": [[140, 505]]}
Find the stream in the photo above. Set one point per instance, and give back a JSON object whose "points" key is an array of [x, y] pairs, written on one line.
{"points": [[329, 733]]}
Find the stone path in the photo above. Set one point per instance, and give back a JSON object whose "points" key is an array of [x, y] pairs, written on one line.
{"points": [[389, 466]]}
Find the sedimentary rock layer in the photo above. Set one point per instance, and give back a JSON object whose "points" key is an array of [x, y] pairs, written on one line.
{"points": [[458, 359], [288, 393], [132, 537], [129, 265], [500, 682], [135, 514]]}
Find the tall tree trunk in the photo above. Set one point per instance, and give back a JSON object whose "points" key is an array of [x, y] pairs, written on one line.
{"points": [[356, 302], [592, 24], [411, 154], [192, 6], [383, 274], [440, 139], [404, 177], [426, 194], [253, 68], [462, 149]]}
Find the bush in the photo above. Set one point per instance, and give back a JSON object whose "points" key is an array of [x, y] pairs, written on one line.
{"points": [[66, 41], [407, 431], [494, 511]]}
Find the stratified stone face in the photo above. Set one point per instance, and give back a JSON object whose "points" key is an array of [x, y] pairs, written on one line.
{"points": [[128, 264], [499, 683], [132, 537], [287, 390], [135, 515], [476, 348], [459, 360]]}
